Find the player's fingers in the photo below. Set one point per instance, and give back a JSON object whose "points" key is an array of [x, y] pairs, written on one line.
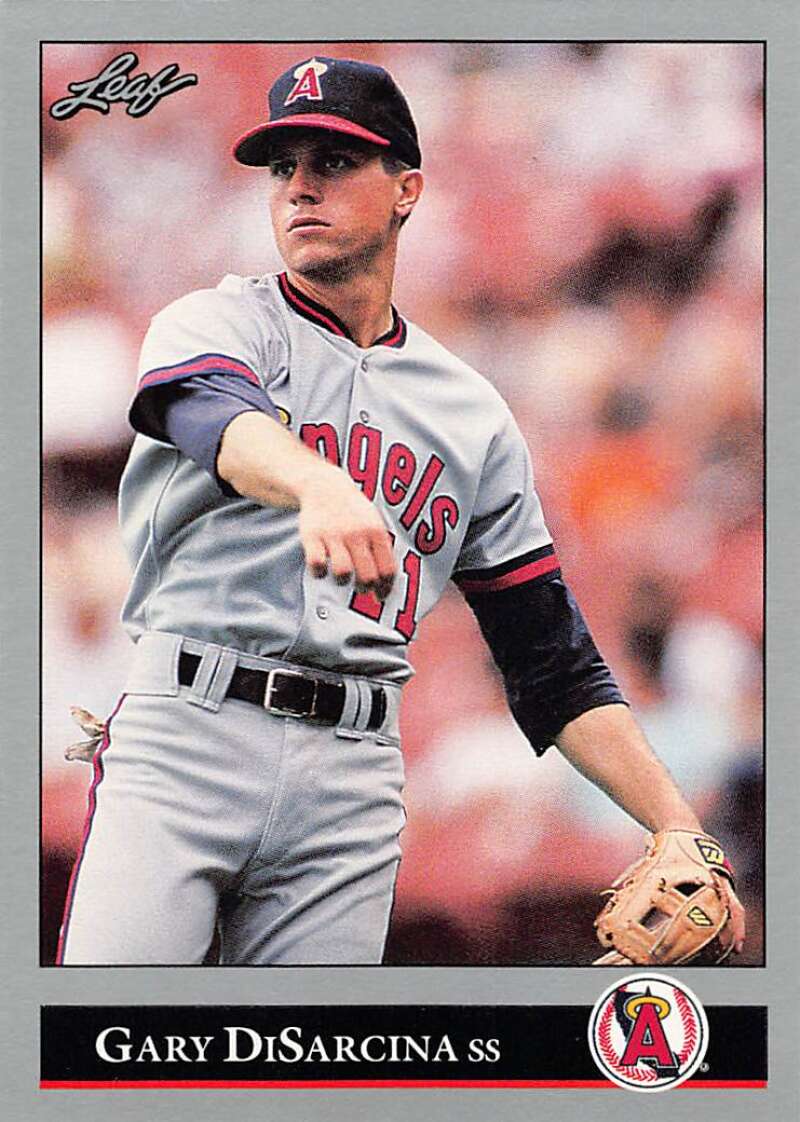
{"points": [[340, 560], [738, 922], [384, 562], [316, 556], [366, 571]]}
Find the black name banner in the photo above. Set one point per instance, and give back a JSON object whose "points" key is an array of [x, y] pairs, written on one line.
{"points": [[308, 1046]]}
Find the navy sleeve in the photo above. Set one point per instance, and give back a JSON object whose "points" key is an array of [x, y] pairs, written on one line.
{"points": [[551, 668], [194, 412]]}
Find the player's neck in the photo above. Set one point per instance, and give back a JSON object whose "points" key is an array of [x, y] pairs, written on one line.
{"points": [[363, 302]]}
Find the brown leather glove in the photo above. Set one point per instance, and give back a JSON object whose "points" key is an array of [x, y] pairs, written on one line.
{"points": [[674, 905]]}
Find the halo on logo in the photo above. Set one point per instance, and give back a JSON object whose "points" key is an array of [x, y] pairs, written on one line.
{"points": [[648, 1032]]}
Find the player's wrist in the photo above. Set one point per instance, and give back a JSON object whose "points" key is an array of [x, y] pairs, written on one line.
{"points": [[313, 479], [683, 820]]}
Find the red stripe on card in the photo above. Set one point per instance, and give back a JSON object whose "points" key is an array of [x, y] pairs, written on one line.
{"points": [[722, 1084], [374, 1084], [516, 576]]}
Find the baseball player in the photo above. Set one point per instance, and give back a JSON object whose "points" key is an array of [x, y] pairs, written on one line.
{"points": [[310, 471]]}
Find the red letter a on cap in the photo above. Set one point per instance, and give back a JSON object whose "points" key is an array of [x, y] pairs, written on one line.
{"points": [[307, 84], [647, 1038]]}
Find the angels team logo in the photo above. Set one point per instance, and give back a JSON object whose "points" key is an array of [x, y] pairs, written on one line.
{"points": [[307, 83], [648, 1033]]}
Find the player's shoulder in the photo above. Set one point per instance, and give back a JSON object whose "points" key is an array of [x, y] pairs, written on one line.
{"points": [[448, 367], [247, 302]]}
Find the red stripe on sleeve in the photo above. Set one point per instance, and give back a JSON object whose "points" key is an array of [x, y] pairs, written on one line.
{"points": [[209, 364], [516, 576]]}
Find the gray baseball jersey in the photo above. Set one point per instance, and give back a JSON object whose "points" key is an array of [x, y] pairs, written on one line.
{"points": [[428, 440], [205, 808]]}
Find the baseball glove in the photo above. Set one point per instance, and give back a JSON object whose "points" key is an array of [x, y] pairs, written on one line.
{"points": [[671, 906]]}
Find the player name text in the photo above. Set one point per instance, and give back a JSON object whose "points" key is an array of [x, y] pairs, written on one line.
{"points": [[113, 83], [241, 1044]]}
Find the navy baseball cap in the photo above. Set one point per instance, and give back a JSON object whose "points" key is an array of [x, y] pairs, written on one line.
{"points": [[340, 95]]}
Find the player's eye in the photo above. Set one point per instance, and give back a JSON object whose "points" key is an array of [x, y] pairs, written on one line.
{"points": [[338, 161], [281, 168]]}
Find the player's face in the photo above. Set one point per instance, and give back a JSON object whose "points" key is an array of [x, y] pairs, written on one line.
{"points": [[333, 204]]}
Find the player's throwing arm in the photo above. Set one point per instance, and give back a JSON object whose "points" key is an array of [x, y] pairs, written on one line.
{"points": [[339, 528]]}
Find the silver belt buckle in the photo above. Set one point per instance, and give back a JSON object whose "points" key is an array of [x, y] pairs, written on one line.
{"points": [[289, 674]]}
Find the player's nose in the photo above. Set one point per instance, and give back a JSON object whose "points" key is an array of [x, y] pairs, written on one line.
{"points": [[304, 185]]}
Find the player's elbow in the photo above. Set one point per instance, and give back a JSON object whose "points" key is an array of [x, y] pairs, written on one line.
{"points": [[229, 462], [235, 457]]}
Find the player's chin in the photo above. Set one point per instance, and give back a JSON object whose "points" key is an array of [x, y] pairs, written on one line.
{"points": [[322, 263]]}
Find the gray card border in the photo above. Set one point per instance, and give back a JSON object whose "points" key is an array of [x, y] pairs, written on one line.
{"points": [[26, 986]]}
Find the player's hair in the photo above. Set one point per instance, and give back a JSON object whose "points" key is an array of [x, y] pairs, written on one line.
{"points": [[392, 165]]}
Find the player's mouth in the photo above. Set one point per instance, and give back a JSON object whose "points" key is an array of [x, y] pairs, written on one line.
{"points": [[300, 224]]}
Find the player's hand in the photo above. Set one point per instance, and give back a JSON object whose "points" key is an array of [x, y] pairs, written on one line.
{"points": [[341, 531], [737, 921]]}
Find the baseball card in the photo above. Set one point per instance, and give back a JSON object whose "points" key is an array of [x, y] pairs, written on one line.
{"points": [[398, 648]]}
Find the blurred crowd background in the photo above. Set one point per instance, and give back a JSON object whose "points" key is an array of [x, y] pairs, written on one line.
{"points": [[590, 238]]}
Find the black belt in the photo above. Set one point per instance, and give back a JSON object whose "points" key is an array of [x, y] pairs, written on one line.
{"points": [[292, 693]]}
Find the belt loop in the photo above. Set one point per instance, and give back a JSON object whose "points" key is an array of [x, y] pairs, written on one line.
{"points": [[350, 713], [364, 705], [199, 689], [220, 679]]}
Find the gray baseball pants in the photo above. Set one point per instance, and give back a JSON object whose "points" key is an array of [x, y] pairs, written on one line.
{"points": [[209, 813]]}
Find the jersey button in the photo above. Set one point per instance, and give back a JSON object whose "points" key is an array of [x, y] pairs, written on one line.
{"points": [[322, 612], [364, 415], [364, 364]]}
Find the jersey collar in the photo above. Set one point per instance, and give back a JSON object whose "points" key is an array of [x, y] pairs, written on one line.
{"points": [[317, 313]]}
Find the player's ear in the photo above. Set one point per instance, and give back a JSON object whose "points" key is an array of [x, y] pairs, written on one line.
{"points": [[409, 189]]}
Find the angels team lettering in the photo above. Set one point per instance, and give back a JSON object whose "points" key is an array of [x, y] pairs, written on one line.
{"points": [[307, 82], [397, 472], [405, 485], [646, 1036]]}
